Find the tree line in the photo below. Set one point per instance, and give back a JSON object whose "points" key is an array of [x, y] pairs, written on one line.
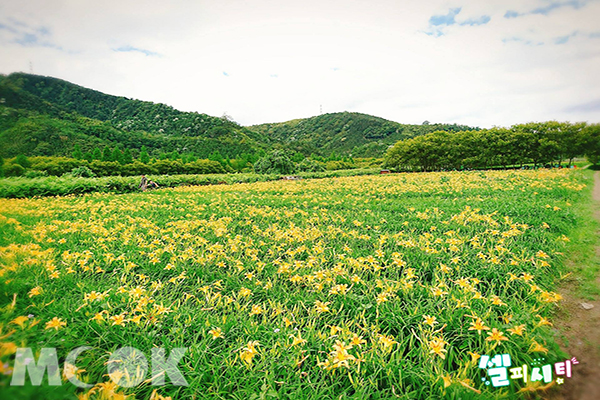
{"points": [[118, 161], [535, 143]]}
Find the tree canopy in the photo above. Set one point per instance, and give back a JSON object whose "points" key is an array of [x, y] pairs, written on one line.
{"points": [[537, 143]]}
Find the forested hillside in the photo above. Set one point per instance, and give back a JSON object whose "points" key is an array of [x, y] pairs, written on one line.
{"points": [[360, 135], [48, 116], [44, 116]]}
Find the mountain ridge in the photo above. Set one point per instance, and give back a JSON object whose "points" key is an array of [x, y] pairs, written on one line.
{"points": [[91, 118]]}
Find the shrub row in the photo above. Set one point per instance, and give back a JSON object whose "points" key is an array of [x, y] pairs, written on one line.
{"points": [[21, 187], [57, 166]]}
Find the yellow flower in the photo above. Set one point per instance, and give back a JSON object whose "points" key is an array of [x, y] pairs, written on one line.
{"points": [[339, 289], [159, 309], [136, 292], [447, 380], [216, 333], [71, 371], [321, 307], [497, 301], [248, 352], [537, 348], [19, 321], [382, 297], [340, 356], [93, 295], [334, 330], [118, 319], [55, 323], [436, 346], [478, 325], [474, 357], [35, 291], [256, 310], [438, 291], [357, 340], [543, 321], [386, 341], [541, 254], [429, 320], [478, 295], [297, 340], [99, 316], [517, 330], [156, 396], [137, 319], [526, 277], [550, 297], [496, 335]]}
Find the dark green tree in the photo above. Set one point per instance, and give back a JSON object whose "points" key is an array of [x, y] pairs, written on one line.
{"points": [[77, 154], [127, 157], [106, 154], [276, 162], [297, 157], [117, 155], [216, 156], [591, 139], [97, 154], [88, 156], [23, 161], [144, 157]]}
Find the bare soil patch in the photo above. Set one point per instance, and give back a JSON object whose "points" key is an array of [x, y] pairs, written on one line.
{"points": [[578, 330]]}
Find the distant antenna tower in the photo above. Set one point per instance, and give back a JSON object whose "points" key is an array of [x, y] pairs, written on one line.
{"points": [[321, 109], [30, 67]]}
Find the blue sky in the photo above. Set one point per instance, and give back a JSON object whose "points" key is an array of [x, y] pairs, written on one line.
{"points": [[481, 63]]}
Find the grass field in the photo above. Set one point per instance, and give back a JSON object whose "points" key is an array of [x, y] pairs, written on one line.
{"points": [[371, 287]]}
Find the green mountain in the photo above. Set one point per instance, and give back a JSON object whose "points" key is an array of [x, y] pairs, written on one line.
{"points": [[49, 116], [44, 116], [358, 134]]}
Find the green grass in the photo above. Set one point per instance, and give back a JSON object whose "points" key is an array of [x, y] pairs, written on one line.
{"points": [[582, 252]]}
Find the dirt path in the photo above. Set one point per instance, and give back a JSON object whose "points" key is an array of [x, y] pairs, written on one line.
{"points": [[580, 330]]}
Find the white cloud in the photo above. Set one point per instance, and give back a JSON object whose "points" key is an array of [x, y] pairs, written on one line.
{"points": [[274, 60]]}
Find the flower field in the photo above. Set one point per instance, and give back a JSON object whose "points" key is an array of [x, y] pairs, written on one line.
{"points": [[371, 287]]}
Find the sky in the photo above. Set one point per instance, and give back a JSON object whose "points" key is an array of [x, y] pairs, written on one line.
{"points": [[473, 62]]}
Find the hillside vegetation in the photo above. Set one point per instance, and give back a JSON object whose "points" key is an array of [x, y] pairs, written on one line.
{"points": [[359, 135], [45, 116]]}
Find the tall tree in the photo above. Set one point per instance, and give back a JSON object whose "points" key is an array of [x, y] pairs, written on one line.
{"points": [[88, 156], [117, 155], [591, 140], [97, 154], [77, 154], [106, 154], [127, 157], [144, 157]]}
